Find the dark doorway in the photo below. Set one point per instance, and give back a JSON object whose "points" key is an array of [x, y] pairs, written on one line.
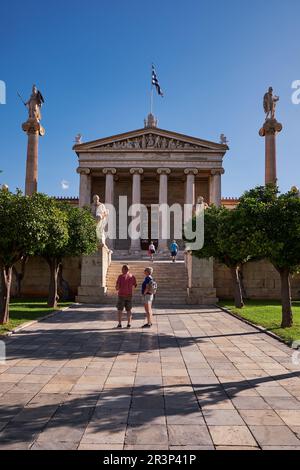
{"points": [[147, 221]]}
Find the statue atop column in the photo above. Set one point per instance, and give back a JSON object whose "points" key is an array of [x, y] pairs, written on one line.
{"points": [[100, 213], [33, 129], [269, 131], [34, 104], [270, 102]]}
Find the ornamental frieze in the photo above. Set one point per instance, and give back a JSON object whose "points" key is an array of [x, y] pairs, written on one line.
{"points": [[149, 142]]}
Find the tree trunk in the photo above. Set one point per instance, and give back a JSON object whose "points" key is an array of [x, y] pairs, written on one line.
{"points": [[65, 292], [5, 286], [52, 295], [241, 277], [19, 276], [237, 290], [286, 298]]}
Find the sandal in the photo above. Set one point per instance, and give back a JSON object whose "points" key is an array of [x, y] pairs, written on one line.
{"points": [[147, 325]]}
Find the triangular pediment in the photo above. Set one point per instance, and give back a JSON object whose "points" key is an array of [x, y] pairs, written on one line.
{"points": [[150, 139]]}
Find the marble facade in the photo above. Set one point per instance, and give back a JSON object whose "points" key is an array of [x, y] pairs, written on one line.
{"points": [[150, 166]]}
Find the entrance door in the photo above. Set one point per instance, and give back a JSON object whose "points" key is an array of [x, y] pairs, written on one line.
{"points": [[149, 227]]}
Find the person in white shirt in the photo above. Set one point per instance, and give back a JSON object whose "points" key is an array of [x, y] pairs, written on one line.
{"points": [[152, 250]]}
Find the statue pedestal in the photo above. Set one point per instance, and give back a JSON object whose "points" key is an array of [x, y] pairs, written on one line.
{"points": [[201, 289], [269, 130], [94, 268]]}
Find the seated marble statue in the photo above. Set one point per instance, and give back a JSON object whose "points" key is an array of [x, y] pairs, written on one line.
{"points": [[100, 212]]}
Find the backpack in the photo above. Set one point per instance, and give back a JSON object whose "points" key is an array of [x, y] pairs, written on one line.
{"points": [[152, 286]]}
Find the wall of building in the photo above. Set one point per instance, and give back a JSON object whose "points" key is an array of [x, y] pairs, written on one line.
{"points": [[36, 279], [260, 279], [122, 187], [98, 187], [202, 188]]}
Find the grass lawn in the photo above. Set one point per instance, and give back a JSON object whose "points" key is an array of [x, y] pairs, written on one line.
{"points": [[267, 313], [25, 310]]}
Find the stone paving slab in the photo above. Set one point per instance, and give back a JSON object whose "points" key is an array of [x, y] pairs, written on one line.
{"points": [[200, 379]]}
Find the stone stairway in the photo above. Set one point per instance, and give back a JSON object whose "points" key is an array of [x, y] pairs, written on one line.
{"points": [[171, 278], [124, 255]]}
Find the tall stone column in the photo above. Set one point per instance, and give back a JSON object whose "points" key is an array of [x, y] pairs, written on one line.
{"points": [[84, 187], [109, 184], [163, 200], [109, 193], [189, 192], [269, 130], [216, 186], [135, 245], [33, 129]]}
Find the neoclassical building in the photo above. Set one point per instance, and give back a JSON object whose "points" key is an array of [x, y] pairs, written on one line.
{"points": [[150, 166]]}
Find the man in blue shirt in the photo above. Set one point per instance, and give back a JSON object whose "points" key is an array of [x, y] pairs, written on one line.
{"points": [[174, 250]]}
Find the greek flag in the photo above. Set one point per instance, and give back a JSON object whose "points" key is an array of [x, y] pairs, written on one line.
{"points": [[155, 82]]}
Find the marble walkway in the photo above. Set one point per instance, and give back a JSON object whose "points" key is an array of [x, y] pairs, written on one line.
{"points": [[199, 379]]}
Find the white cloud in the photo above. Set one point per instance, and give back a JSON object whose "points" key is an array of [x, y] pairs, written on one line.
{"points": [[65, 185]]}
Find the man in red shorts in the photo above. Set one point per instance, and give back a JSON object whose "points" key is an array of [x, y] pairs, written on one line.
{"points": [[125, 284]]}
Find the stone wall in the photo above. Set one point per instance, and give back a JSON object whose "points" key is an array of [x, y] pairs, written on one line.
{"points": [[260, 279], [36, 279]]}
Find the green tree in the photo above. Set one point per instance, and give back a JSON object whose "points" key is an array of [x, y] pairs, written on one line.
{"points": [[82, 231], [54, 248], [72, 232], [22, 231], [39, 225], [276, 222], [228, 239]]}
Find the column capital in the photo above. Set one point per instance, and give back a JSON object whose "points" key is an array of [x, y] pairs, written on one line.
{"points": [[32, 126], [191, 171], [163, 171], [83, 171], [111, 171], [270, 127], [217, 171], [134, 171]]}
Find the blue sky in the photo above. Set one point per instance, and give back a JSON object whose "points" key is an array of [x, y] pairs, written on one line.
{"points": [[91, 60]]}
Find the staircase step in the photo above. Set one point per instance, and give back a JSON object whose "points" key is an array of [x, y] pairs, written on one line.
{"points": [[171, 278]]}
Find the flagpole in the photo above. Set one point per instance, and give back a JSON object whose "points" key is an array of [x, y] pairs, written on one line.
{"points": [[151, 94], [151, 104]]}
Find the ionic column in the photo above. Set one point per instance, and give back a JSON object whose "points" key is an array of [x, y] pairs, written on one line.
{"points": [[269, 130], [84, 187], [163, 200], [109, 184], [33, 129], [109, 194], [135, 246], [216, 186], [189, 192]]}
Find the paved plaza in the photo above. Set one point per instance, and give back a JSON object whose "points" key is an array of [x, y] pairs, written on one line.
{"points": [[199, 379]]}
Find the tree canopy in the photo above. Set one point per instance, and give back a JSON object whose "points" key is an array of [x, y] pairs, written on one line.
{"points": [[23, 230], [39, 225], [276, 224], [228, 239]]}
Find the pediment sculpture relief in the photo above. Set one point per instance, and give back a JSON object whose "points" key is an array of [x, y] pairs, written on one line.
{"points": [[150, 141]]}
